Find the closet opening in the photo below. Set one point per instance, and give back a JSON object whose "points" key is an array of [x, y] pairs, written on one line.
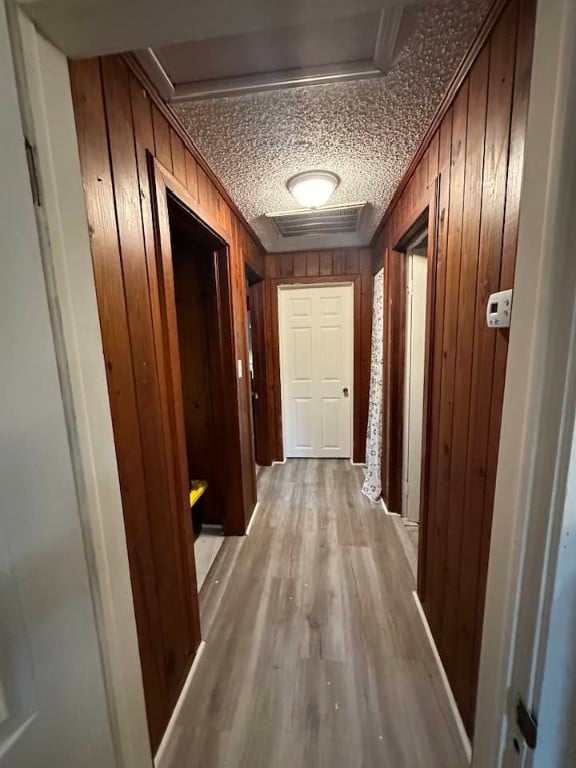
{"points": [[416, 270], [256, 314], [195, 255], [409, 450], [195, 289]]}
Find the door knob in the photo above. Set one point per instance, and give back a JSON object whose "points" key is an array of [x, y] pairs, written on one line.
{"points": [[345, 391]]}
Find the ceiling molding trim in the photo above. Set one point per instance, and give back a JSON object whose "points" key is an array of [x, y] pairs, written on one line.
{"points": [[460, 75], [385, 54], [178, 126], [155, 72], [386, 47], [290, 78]]}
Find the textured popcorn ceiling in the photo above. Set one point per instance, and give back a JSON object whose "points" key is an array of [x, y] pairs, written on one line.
{"points": [[365, 131]]}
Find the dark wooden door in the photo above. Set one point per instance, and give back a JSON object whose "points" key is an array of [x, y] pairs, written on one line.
{"points": [[256, 300]]}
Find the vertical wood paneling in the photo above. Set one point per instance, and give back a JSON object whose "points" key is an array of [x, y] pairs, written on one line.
{"points": [[326, 263], [312, 264], [259, 320], [352, 262], [491, 227], [446, 529], [170, 570], [433, 522], [162, 138], [477, 155], [433, 159], [117, 122], [286, 265], [191, 174], [203, 188], [299, 269], [525, 41], [239, 301], [97, 178], [459, 578], [178, 158], [338, 262]]}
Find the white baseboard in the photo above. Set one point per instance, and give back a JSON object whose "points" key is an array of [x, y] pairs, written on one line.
{"points": [[452, 701], [253, 517], [387, 511], [358, 463], [279, 462], [175, 730]]}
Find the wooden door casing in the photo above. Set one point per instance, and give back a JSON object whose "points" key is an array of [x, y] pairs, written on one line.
{"points": [[231, 402], [258, 316]]}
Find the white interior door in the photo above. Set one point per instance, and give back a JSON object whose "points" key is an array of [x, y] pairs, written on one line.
{"points": [[316, 337], [53, 705], [417, 270]]}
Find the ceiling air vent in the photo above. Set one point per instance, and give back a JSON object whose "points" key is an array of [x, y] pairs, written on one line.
{"points": [[329, 220]]}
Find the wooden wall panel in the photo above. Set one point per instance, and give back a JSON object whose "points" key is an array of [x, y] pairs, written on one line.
{"points": [[171, 570], [354, 264], [117, 121], [459, 533], [476, 152], [239, 306], [97, 177]]}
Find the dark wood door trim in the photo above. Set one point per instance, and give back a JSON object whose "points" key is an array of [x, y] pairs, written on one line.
{"points": [[163, 185], [258, 317], [432, 257], [276, 283]]}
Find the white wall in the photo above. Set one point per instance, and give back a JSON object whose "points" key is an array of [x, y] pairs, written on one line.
{"points": [[45, 593], [49, 124], [557, 710]]}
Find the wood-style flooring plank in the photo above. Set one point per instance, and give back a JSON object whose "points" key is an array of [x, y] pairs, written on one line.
{"points": [[315, 653]]}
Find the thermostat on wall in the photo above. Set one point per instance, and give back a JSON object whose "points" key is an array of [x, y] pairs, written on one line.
{"points": [[499, 309]]}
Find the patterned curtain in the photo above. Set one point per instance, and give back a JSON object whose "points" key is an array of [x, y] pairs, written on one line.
{"points": [[372, 483]]}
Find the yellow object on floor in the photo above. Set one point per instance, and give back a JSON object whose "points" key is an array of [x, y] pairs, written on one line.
{"points": [[197, 488]]}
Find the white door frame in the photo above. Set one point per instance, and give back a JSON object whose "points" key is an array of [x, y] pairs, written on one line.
{"points": [[544, 302], [46, 105], [294, 286], [539, 404], [407, 375]]}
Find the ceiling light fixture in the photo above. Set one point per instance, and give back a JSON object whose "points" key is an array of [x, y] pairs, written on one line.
{"points": [[313, 188]]}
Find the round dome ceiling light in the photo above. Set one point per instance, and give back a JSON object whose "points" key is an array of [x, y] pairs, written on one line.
{"points": [[313, 189]]}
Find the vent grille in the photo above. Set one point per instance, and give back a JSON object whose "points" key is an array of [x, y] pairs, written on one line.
{"points": [[333, 219]]}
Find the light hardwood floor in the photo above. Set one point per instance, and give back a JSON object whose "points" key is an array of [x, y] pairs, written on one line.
{"points": [[206, 548], [315, 655]]}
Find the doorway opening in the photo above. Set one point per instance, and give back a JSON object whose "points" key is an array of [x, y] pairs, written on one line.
{"points": [[256, 321], [316, 367], [407, 411], [198, 261], [416, 270], [414, 376]]}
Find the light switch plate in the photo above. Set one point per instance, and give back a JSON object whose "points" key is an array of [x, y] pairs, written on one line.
{"points": [[499, 309]]}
